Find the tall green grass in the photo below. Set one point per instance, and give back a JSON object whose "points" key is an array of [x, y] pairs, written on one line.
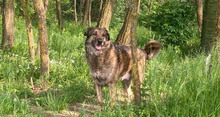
{"points": [[175, 84]]}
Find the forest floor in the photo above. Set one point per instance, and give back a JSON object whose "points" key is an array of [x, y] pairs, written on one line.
{"points": [[86, 108]]}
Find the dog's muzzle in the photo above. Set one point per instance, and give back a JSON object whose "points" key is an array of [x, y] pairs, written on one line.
{"points": [[98, 44]]}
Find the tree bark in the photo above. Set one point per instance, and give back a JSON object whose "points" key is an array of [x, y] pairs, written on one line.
{"points": [[29, 29], [134, 7], [42, 27], [89, 20], [86, 13], [209, 24], [45, 3], [217, 31], [125, 32], [106, 14], [82, 2], [100, 7], [75, 12], [59, 15], [199, 14], [8, 24]]}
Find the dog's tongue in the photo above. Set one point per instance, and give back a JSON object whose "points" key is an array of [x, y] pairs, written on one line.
{"points": [[98, 47]]}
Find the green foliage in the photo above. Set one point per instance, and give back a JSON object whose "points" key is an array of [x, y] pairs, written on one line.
{"points": [[118, 15], [180, 87], [174, 21], [175, 82], [13, 104]]}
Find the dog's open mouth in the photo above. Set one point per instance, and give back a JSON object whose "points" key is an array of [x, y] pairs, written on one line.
{"points": [[98, 44], [98, 47]]}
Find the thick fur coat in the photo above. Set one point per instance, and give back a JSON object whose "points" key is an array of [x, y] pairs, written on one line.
{"points": [[110, 62]]}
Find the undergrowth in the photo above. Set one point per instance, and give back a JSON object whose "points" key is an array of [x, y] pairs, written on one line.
{"points": [[175, 84]]}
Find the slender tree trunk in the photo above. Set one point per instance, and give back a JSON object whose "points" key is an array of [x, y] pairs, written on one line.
{"points": [[86, 13], [29, 29], [209, 24], [134, 6], [75, 12], [90, 6], [8, 24], [217, 31], [199, 14], [38, 48], [100, 7], [42, 27], [82, 2], [106, 14], [59, 15], [45, 2]]}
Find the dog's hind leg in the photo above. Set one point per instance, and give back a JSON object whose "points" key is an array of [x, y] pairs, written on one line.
{"points": [[141, 70], [99, 93]]}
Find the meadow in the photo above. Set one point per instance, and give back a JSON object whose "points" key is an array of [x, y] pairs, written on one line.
{"points": [[176, 81]]}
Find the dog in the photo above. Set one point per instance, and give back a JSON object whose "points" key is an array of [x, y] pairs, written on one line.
{"points": [[111, 62]]}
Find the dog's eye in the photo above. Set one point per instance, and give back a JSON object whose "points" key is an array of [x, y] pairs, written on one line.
{"points": [[103, 35], [95, 33]]}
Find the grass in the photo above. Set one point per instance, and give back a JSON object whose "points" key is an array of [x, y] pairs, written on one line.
{"points": [[176, 83]]}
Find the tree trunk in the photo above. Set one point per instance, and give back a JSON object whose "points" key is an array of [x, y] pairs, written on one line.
{"points": [[125, 32], [89, 20], [42, 27], [29, 29], [8, 24], [199, 14], [75, 13], [59, 15], [217, 31], [38, 48], [134, 8], [209, 24], [82, 2], [86, 13], [45, 2], [106, 14], [100, 7]]}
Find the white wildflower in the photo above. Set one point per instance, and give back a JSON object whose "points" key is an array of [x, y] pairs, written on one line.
{"points": [[28, 67], [72, 61], [52, 61], [15, 100]]}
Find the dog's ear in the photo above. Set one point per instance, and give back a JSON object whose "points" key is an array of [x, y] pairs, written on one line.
{"points": [[87, 33], [107, 34], [152, 49]]}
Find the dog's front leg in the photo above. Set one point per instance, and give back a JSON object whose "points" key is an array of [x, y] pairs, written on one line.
{"points": [[113, 91], [99, 93]]}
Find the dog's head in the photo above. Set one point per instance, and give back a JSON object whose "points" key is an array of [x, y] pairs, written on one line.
{"points": [[98, 37]]}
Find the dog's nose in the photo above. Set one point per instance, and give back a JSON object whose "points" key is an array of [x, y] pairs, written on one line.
{"points": [[99, 41]]}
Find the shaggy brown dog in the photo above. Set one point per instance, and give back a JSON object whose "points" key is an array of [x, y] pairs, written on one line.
{"points": [[110, 62]]}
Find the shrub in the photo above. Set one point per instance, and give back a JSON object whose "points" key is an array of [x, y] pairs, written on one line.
{"points": [[174, 21]]}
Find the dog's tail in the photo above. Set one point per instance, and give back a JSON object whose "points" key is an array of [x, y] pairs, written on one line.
{"points": [[152, 49]]}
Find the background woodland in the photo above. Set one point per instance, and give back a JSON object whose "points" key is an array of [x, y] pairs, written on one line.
{"points": [[43, 69]]}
